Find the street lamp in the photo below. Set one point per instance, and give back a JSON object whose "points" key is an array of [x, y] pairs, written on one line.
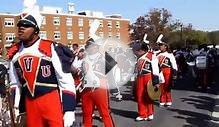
{"points": [[181, 30]]}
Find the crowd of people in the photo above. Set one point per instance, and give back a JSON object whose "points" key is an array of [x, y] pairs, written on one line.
{"points": [[201, 62]]}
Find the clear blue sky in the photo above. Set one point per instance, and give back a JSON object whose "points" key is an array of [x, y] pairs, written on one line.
{"points": [[203, 14]]}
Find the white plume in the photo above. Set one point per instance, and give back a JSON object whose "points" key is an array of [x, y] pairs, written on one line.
{"points": [[93, 28], [28, 5], [145, 39], [31, 8], [159, 38]]}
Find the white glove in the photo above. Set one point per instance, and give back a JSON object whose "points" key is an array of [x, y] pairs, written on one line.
{"points": [[69, 118]]}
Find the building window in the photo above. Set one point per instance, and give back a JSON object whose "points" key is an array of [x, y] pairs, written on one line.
{"points": [[81, 35], [9, 22], [9, 37], [101, 34], [80, 22], [90, 21], [109, 24], [118, 35], [110, 34], [56, 20], [44, 20], [57, 35], [69, 35], [43, 35], [101, 23], [117, 24], [69, 21]]}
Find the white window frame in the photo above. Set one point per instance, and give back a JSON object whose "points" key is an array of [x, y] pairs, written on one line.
{"points": [[44, 20], [9, 37], [56, 21], [101, 34], [9, 22], [43, 34], [117, 24], [90, 21], [57, 35], [101, 23], [118, 35], [69, 35], [68, 21], [110, 34], [81, 35], [109, 24], [80, 22]]}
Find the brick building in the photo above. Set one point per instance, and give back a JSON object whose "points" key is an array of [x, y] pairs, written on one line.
{"points": [[67, 28]]}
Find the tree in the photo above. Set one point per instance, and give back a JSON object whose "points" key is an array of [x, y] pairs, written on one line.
{"points": [[175, 32], [155, 22], [214, 37], [139, 29]]}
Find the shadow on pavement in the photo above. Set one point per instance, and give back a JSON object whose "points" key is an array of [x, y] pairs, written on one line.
{"points": [[193, 118], [200, 102], [125, 113]]}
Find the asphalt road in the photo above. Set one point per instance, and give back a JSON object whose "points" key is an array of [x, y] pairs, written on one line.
{"points": [[191, 107]]}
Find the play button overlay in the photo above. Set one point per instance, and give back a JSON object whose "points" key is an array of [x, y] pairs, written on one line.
{"points": [[109, 63], [108, 59]]}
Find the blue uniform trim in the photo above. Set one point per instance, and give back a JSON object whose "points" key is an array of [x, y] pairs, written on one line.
{"points": [[155, 79], [39, 91], [50, 79], [67, 99]]}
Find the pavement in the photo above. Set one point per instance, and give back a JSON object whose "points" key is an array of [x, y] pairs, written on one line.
{"points": [[191, 107], [214, 122]]}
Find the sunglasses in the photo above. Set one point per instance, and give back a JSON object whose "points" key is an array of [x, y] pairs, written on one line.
{"points": [[24, 25]]}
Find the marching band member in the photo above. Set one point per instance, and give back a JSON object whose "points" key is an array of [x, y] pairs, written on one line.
{"points": [[168, 67], [77, 71], [147, 69], [77, 66], [95, 92], [37, 70]]}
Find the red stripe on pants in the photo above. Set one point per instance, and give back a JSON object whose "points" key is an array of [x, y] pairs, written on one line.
{"points": [[145, 104], [99, 98], [165, 87], [44, 111]]}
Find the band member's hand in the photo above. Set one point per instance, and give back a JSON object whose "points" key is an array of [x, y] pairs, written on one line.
{"points": [[69, 118], [156, 87]]}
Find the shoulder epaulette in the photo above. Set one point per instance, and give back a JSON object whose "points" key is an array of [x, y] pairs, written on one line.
{"points": [[45, 47], [13, 50], [149, 55]]}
